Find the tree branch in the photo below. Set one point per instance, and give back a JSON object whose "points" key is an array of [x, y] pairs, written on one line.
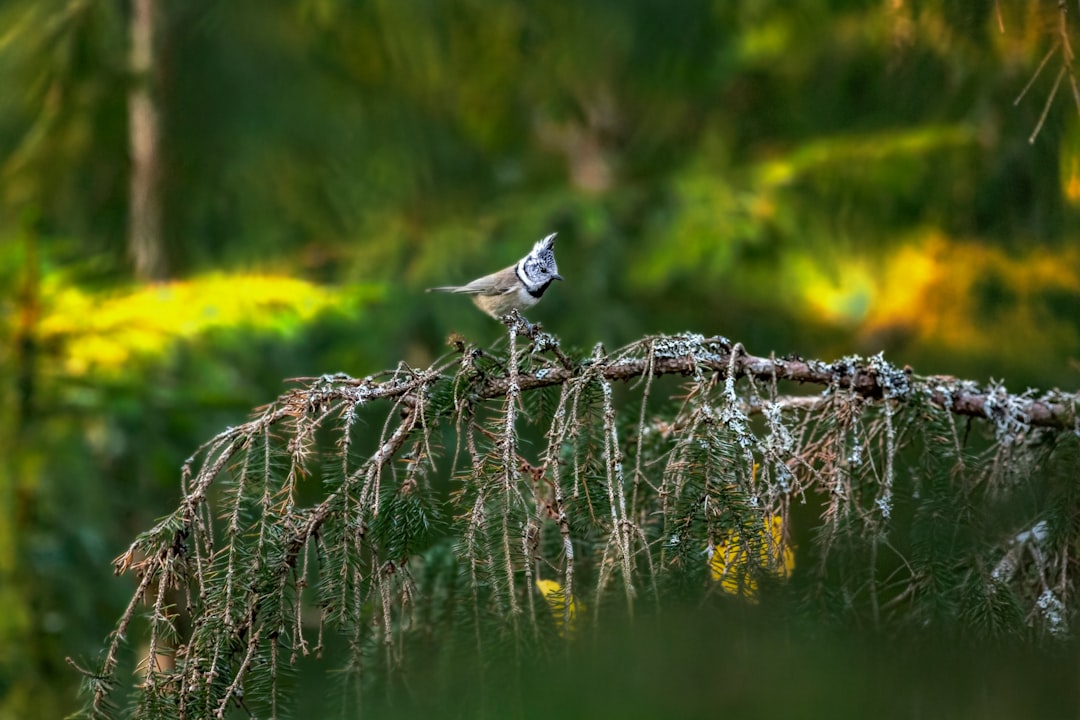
{"points": [[872, 378]]}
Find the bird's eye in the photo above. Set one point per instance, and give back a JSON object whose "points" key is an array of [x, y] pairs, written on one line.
{"points": [[544, 270]]}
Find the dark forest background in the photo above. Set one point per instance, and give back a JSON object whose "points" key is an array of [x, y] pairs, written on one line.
{"points": [[200, 200]]}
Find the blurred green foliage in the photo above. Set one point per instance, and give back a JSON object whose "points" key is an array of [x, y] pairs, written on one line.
{"points": [[750, 662], [803, 176]]}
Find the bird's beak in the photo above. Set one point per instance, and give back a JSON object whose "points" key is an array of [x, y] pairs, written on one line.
{"points": [[556, 276]]}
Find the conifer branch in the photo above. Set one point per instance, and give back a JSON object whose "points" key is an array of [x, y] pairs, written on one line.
{"points": [[871, 378], [617, 499]]}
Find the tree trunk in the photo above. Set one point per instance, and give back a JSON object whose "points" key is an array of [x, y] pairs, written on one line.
{"points": [[146, 247]]}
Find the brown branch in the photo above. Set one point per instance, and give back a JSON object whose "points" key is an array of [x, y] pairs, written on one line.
{"points": [[870, 378]]}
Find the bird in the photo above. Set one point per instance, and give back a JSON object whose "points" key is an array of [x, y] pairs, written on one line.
{"points": [[517, 287]]}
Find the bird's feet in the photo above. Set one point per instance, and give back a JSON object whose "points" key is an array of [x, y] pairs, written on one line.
{"points": [[516, 322]]}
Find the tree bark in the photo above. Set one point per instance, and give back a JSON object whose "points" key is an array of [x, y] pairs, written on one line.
{"points": [[146, 246]]}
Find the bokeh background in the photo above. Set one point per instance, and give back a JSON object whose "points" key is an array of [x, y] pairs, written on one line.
{"points": [[200, 200]]}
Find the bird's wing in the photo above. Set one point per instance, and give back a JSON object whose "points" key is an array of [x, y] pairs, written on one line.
{"points": [[497, 283]]}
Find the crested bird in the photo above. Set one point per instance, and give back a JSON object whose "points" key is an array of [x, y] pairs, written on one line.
{"points": [[517, 287]]}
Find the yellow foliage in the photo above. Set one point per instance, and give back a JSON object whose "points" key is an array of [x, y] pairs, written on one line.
{"points": [[104, 332], [1072, 179], [556, 599], [732, 561], [840, 297], [1070, 164], [934, 290]]}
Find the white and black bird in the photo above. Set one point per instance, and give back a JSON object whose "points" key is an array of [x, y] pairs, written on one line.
{"points": [[517, 287]]}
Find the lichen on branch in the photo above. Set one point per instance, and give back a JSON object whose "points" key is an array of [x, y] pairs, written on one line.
{"points": [[453, 503]]}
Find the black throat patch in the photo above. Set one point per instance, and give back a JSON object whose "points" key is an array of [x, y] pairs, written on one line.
{"points": [[536, 293]]}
